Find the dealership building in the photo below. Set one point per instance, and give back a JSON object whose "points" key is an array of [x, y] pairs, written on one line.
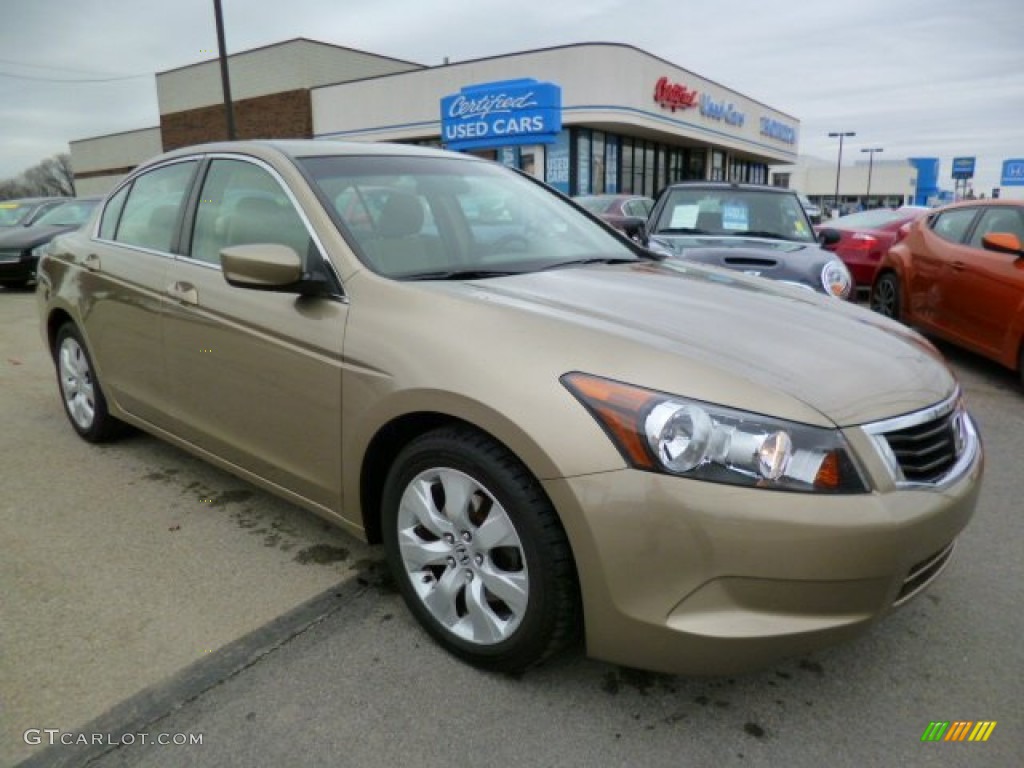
{"points": [[585, 118]]}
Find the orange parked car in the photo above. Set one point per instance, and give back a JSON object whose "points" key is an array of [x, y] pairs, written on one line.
{"points": [[959, 274]]}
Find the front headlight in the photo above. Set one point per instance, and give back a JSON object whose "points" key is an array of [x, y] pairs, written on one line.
{"points": [[658, 432], [836, 279]]}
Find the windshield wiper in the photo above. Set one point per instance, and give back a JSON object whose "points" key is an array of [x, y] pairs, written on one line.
{"points": [[457, 274], [683, 231], [591, 260], [759, 233]]}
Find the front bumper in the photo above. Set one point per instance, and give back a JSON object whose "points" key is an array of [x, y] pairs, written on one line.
{"points": [[690, 577]]}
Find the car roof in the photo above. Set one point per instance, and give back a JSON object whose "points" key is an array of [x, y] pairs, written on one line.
{"points": [[298, 148], [988, 202], [730, 185]]}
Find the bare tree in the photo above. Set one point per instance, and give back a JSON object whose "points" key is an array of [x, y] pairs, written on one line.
{"points": [[52, 177]]}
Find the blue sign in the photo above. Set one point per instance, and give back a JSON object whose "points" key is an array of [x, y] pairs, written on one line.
{"points": [[773, 129], [963, 167], [721, 110], [1013, 173], [556, 167], [501, 114]]}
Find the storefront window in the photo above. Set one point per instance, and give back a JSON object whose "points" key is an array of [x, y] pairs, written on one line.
{"points": [[649, 157], [627, 166], [717, 165], [597, 172], [583, 163], [612, 165], [696, 166]]}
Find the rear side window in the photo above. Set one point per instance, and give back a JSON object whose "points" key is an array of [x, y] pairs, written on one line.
{"points": [[150, 215], [112, 214], [952, 225]]}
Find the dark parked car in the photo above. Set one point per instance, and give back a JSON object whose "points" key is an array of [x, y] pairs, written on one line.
{"points": [[20, 247], [761, 231], [865, 237], [24, 211], [624, 212], [959, 274]]}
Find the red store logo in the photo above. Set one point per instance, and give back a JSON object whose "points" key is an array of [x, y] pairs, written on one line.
{"points": [[674, 95]]}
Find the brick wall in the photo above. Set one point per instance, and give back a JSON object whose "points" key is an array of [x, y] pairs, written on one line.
{"points": [[286, 115]]}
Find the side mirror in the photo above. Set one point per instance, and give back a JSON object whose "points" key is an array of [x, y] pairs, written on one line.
{"points": [[1003, 242], [828, 237], [267, 267]]}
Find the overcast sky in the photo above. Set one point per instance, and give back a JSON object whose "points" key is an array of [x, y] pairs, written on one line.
{"points": [[933, 78]]}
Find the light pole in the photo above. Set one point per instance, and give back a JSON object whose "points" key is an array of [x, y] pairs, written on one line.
{"points": [[225, 81], [839, 162], [871, 162]]}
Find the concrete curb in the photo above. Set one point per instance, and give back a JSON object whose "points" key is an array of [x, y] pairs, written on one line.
{"points": [[135, 714]]}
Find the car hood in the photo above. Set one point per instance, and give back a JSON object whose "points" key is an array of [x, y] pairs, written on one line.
{"points": [[29, 237], [680, 244], [711, 330]]}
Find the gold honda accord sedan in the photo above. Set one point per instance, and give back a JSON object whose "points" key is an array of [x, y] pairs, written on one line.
{"points": [[553, 432]]}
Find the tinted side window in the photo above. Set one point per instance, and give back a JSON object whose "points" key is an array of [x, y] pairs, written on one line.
{"points": [[150, 215], [240, 204], [112, 214], [998, 220], [952, 225]]}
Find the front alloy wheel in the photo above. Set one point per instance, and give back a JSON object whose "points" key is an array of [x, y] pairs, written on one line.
{"points": [[478, 552]]}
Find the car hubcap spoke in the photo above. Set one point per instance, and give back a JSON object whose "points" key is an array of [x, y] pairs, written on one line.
{"points": [[484, 625], [508, 587], [76, 383], [463, 556], [418, 504]]}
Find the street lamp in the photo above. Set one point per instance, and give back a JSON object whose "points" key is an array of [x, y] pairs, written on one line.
{"points": [[871, 161], [839, 162]]}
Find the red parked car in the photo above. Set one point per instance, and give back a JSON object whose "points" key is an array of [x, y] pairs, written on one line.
{"points": [[959, 275], [865, 237], [627, 213]]}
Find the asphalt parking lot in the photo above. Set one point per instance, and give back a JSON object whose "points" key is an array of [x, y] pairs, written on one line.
{"points": [[135, 577], [125, 563]]}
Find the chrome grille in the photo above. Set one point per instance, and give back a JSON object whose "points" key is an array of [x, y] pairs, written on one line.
{"points": [[925, 452]]}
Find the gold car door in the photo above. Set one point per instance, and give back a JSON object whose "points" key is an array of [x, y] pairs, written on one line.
{"points": [[255, 376], [121, 288]]}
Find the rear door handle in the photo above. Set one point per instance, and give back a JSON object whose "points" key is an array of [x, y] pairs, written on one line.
{"points": [[92, 262], [186, 293], [959, 266]]}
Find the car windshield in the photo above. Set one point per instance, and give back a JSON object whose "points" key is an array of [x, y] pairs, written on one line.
{"points": [[68, 214], [433, 217], [869, 219], [11, 214], [734, 212]]}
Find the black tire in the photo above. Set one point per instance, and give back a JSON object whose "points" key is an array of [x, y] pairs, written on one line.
{"points": [[533, 553], [80, 391], [885, 295]]}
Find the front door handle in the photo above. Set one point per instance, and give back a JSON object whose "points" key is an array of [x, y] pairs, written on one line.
{"points": [[186, 293], [959, 266], [91, 262]]}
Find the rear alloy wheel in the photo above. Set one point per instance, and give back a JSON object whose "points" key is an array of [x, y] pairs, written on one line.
{"points": [[80, 390], [885, 296], [478, 551]]}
